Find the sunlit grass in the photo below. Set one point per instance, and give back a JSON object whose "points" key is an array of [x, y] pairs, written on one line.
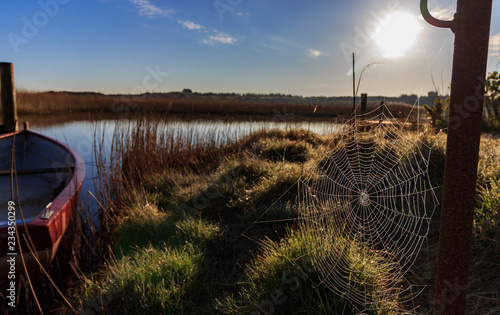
{"points": [[283, 278], [223, 223], [149, 280]]}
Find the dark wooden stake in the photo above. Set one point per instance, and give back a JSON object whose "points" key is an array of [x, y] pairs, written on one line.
{"points": [[364, 103], [353, 85], [8, 97], [472, 29]]}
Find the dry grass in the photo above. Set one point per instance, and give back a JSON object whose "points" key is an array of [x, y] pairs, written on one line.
{"points": [[40, 103]]}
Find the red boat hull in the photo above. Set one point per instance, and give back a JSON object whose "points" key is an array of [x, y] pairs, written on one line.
{"points": [[39, 235]]}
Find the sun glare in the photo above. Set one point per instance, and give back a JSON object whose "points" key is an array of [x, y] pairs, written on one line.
{"points": [[397, 35]]}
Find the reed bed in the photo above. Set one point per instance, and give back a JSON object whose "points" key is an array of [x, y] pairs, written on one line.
{"points": [[40, 103], [138, 151]]}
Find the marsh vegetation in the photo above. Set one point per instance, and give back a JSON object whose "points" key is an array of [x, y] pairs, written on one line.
{"points": [[209, 229]]}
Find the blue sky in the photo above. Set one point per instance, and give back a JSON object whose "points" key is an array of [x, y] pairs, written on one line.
{"points": [[258, 46]]}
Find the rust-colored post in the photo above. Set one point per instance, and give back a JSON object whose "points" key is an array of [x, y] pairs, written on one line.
{"points": [[472, 29], [8, 97]]}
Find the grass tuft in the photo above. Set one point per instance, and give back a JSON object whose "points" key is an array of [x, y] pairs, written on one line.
{"points": [[150, 280]]}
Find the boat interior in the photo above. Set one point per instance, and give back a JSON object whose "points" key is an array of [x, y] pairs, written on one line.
{"points": [[42, 169]]}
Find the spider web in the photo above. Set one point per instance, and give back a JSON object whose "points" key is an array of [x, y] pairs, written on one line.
{"points": [[370, 202]]}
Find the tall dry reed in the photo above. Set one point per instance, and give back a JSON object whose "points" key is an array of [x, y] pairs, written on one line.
{"points": [[137, 150]]}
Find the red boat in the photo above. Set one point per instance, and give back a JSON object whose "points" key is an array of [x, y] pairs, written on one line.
{"points": [[40, 181]]}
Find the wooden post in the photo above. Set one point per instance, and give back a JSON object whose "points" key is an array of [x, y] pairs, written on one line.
{"points": [[364, 103], [472, 29], [8, 97], [353, 85]]}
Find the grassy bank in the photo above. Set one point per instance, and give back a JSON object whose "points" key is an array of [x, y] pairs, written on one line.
{"points": [[202, 230]]}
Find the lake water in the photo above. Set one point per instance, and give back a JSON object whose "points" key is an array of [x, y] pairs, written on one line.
{"points": [[79, 132]]}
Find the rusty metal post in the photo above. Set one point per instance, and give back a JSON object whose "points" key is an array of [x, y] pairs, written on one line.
{"points": [[8, 97], [472, 28]]}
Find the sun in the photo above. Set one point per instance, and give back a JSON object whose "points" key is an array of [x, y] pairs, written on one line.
{"points": [[397, 34]]}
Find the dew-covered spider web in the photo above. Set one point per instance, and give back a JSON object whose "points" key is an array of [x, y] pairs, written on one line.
{"points": [[370, 202]]}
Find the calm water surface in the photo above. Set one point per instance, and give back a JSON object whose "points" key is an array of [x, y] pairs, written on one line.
{"points": [[79, 133]]}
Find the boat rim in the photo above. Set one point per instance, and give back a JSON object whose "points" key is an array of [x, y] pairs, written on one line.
{"points": [[74, 184]]}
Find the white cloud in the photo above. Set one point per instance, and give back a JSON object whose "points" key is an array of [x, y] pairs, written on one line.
{"points": [[149, 10], [445, 14], [220, 38], [495, 45], [315, 53], [191, 25]]}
